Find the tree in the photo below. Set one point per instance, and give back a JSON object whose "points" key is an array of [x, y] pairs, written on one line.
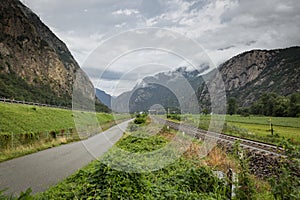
{"points": [[281, 107], [257, 108], [232, 106], [268, 100], [244, 111], [205, 111], [294, 107], [271, 104]]}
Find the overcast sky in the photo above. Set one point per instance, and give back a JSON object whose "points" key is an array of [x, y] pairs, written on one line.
{"points": [[111, 41]]}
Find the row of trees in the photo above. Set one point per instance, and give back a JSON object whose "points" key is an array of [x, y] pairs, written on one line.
{"points": [[269, 104]]}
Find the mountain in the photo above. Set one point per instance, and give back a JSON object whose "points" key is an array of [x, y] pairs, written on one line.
{"points": [[171, 90], [35, 65], [103, 97], [246, 76], [249, 75]]}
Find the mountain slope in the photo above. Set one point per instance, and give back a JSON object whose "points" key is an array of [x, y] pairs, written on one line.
{"points": [[246, 76], [33, 59], [251, 74], [35, 65], [171, 90], [103, 97]]}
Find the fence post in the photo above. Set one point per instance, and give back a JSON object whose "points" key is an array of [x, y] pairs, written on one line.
{"points": [[229, 185]]}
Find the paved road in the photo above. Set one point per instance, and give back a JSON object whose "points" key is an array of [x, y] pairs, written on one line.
{"points": [[46, 168]]}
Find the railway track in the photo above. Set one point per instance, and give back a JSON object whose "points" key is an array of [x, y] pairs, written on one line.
{"points": [[247, 144]]}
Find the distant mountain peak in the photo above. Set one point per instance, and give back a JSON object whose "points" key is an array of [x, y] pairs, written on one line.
{"points": [[246, 76], [105, 98]]}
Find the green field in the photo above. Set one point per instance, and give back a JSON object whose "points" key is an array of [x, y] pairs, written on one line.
{"points": [[253, 127], [17, 118], [26, 129]]}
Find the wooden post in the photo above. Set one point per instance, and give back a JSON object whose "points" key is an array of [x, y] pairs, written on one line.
{"points": [[272, 130], [229, 185], [271, 127]]}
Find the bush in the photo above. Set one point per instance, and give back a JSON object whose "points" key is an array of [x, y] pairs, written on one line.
{"points": [[174, 116], [23, 195], [132, 127], [286, 185], [244, 112], [245, 185], [140, 119]]}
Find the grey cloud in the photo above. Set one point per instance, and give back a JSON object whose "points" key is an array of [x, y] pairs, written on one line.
{"points": [[225, 48], [84, 17], [151, 8], [95, 73]]}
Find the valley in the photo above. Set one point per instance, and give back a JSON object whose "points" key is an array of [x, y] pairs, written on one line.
{"points": [[149, 100]]}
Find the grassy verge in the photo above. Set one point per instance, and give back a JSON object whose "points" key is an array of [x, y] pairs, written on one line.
{"points": [[188, 177], [182, 179], [27, 129]]}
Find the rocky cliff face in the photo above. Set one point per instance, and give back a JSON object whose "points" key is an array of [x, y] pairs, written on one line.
{"points": [[249, 75], [244, 68], [32, 58]]}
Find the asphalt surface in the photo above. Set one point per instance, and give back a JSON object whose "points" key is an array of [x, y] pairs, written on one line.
{"points": [[43, 169]]}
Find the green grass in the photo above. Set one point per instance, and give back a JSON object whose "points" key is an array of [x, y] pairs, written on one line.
{"points": [[276, 121], [185, 178], [259, 127], [254, 127], [26, 129], [17, 118], [22, 118], [182, 179], [263, 131]]}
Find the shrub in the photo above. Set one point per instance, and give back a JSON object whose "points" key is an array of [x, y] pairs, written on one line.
{"points": [[140, 119], [286, 185], [245, 185], [132, 127], [174, 116]]}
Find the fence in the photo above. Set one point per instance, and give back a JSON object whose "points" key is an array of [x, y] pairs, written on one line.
{"points": [[4, 100]]}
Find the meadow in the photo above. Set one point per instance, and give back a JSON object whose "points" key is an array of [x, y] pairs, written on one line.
{"points": [[26, 129], [253, 127]]}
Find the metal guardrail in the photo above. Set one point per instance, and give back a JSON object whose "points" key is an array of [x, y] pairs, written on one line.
{"points": [[5, 100]]}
